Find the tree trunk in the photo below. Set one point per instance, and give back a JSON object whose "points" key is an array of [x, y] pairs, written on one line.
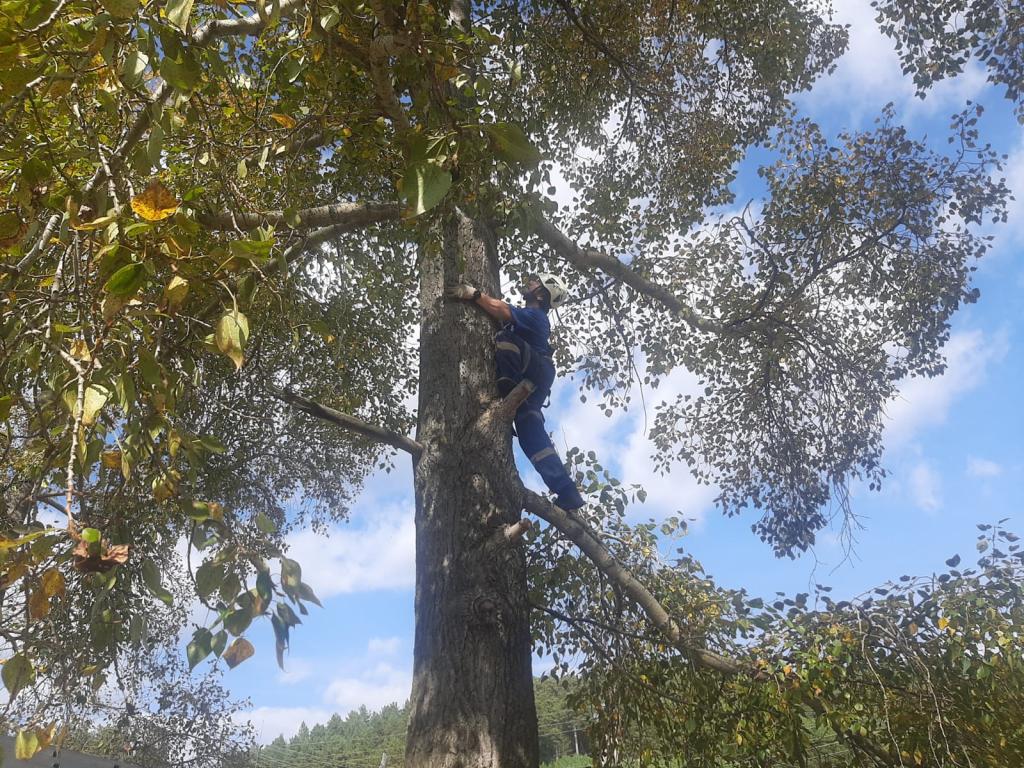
{"points": [[472, 696]]}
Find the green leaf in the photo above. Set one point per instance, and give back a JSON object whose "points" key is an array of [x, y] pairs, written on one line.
{"points": [[5, 406], [242, 170], [425, 185], [510, 143], [287, 615], [237, 622], [230, 587], [280, 638], [121, 9], [265, 524], [264, 586], [231, 336], [208, 577], [126, 281], [220, 640], [178, 11], [133, 68], [96, 397], [183, 72], [212, 444], [151, 578], [91, 535], [17, 673], [306, 593], [199, 648], [291, 576]]}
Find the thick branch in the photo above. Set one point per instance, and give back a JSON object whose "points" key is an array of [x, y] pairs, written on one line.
{"points": [[350, 423], [587, 540], [588, 258], [348, 215]]}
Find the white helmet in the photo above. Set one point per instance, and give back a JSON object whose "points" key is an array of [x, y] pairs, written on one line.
{"points": [[555, 287]]}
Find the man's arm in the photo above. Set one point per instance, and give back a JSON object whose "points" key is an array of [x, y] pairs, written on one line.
{"points": [[496, 308]]}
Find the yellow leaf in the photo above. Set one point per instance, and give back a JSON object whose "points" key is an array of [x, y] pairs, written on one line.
{"points": [[912, 629], [96, 397], [111, 459], [80, 350], [943, 622], [38, 605], [231, 335], [53, 583], [26, 745], [155, 203], [175, 292], [91, 226], [285, 121]]}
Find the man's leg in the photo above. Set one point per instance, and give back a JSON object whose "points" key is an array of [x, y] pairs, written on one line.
{"points": [[534, 440], [511, 358]]}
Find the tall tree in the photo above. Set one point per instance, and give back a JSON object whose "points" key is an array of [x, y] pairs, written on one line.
{"points": [[221, 215]]}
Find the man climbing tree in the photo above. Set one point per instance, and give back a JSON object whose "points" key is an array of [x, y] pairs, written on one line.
{"points": [[217, 214], [522, 353]]}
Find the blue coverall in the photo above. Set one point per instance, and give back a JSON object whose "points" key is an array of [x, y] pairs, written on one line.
{"points": [[522, 352]]}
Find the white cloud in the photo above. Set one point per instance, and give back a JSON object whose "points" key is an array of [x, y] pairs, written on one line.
{"points": [[924, 402], [271, 722], [378, 554], [383, 646], [621, 443], [977, 467], [374, 688], [869, 74], [296, 671], [677, 491], [926, 487]]}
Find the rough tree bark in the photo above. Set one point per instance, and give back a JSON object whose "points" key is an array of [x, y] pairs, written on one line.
{"points": [[472, 696]]}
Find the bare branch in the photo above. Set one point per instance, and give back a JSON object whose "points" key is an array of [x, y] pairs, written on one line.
{"points": [[591, 545], [351, 423], [348, 215]]}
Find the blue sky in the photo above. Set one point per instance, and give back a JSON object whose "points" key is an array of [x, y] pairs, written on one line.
{"points": [[953, 450]]}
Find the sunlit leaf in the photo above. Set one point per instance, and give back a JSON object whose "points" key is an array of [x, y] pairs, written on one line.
{"points": [[283, 120], [26, 744], [155, 203], [178, 12], [424, 186], [231, 335], [510, 143], [126, 281]]}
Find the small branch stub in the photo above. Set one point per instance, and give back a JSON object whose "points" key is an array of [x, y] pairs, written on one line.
{"points": [[516, 531]]}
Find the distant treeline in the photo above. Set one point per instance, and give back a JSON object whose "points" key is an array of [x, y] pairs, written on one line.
{"points": [[359, 739]]}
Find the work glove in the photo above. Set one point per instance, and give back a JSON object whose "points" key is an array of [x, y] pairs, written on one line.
{"points": [[461, 292]]}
